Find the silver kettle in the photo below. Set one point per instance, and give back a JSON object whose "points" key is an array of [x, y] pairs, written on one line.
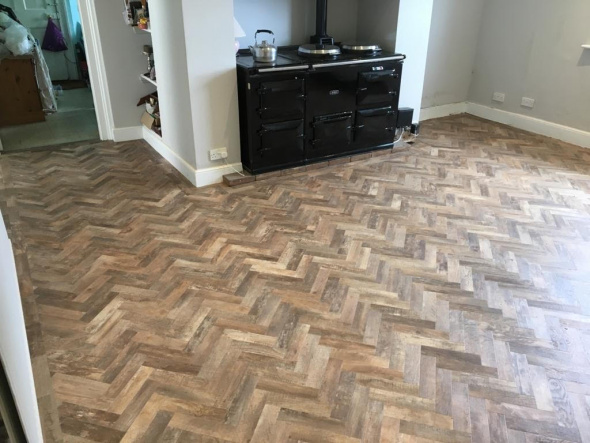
{"points": [[264, 52]]}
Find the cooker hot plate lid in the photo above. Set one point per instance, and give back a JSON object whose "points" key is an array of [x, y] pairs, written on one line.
{"points": [[318, 49], [361, 47]]}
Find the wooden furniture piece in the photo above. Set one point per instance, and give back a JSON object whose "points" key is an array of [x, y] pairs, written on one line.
{"points": [[20, 101]]}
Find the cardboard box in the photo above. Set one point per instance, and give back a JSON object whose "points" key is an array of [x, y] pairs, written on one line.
{"points": [[151, 117], [148, 120]]}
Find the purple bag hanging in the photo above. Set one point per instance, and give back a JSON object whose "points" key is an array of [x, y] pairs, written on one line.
{"points": [[54, 39]]}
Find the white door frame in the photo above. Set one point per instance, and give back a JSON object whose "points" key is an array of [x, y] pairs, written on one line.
{"points": [[98, 77]]}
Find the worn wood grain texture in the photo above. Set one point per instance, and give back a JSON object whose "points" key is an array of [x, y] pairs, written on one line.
{"points": [[437, 293]]}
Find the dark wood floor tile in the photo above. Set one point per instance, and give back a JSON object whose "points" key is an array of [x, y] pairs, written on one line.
{"points": [[434, 293]]}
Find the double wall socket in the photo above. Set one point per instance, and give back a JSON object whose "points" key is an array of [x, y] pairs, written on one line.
{"points": [[499, 97], [528, 102], [218, 154]]}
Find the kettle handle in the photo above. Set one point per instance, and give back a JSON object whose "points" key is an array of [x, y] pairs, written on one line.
{"points": [[264, 31]]}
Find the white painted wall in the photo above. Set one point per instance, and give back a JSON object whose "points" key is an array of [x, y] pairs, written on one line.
{"points": [[173, 85], [123, 62], [211, 68], [451, 51], [14, 349], [413, 31], [342, 19], [377, 22], [532, 48], [293, 21]]}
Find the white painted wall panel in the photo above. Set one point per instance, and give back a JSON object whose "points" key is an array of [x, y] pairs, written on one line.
{"points": [[293, 21], [378, 21], [14, 349], [451, 51], [212, 76], [173, 85], [532, 48], [413, 31]]}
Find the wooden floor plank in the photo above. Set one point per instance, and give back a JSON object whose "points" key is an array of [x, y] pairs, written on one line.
{"points": [[434, 293]]}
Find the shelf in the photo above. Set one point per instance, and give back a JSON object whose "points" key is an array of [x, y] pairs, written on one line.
{"points": [[145, 78], [137, 30], [586, 46]]}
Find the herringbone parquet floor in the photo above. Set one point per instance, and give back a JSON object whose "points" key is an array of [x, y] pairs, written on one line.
{"points": [[439, 293]]}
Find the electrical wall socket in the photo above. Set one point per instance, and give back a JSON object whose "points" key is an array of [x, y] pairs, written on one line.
{"points": [[499, 97], [528, 102], [218, 154]]}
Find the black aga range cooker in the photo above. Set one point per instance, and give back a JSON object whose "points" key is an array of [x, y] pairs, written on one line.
{"points": [[316, 102]]}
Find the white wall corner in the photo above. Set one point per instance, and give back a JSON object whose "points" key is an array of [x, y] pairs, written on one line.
{"points": [[214, 175], [542, 127], [128, 134], [443, 111], [156, 142], [200, 177]]}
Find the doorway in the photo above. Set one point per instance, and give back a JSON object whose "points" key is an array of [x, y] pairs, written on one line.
{"points": [[47, 90], [11, 429]]}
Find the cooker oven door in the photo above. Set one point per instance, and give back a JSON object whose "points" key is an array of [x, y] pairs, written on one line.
{"points": [[278, 145], [331, 90], [377, 86], [375, 127], [282, 100], [331, 135]]}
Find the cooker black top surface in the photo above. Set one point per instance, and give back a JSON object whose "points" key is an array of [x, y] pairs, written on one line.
{"points": [[363, 47], [247, 60], [319, 50], [289, 58]]}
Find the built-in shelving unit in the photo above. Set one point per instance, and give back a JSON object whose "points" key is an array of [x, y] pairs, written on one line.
{"points": [[164, 98], [138, 19], [145, 78]]}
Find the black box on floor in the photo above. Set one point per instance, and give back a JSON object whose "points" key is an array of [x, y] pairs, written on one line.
{"points": [[405, 117]]}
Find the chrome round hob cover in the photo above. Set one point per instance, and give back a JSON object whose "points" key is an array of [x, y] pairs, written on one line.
{"points": [[321, 50], [360, 47]]}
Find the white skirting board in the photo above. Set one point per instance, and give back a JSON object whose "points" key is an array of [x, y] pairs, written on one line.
{"points": [[127, 134], [156, 142], [200, 177], [443, 111], [531, 124], [211, 176]]}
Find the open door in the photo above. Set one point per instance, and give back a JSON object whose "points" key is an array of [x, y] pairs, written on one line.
{"points": [[14, 348], [11, 428], [34, 15]]}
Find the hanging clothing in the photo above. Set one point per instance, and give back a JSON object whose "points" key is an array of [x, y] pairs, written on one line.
{"points": [[54, 40]]}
